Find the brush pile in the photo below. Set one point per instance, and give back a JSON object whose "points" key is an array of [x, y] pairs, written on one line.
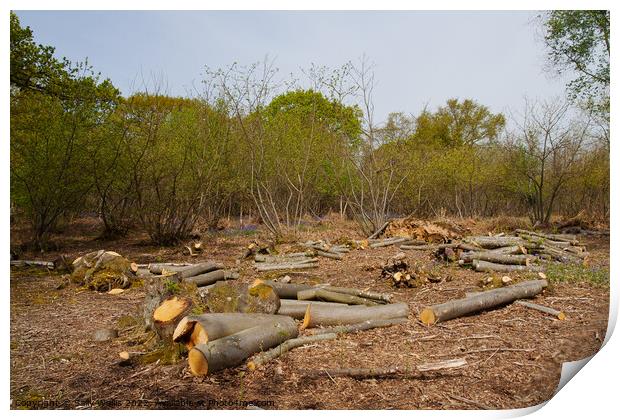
{"points": [[403, 274]]}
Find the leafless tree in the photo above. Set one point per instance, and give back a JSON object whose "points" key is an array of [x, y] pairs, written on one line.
{"points": [[548, 143]]}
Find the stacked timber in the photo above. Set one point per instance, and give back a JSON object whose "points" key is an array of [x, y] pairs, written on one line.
{"points": [[325, 249], [295, 298], [219, 340], [523, 251]]}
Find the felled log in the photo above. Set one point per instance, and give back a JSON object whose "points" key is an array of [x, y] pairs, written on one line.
{"points": [[229, 297], [469, 247], [554, 312], [340, 249], [498, 258], [30, 263], [553, 237], [362, 326], [200, 268], [494, 241], [231, 351], [284, 258], [384, 297], [326, 295], [561, 256], [509, 250], [200, 329], [285, 290], [487, 267], [328, 254], [388, 242], [212, 277], [297, 308], [320, 315], [309, 263], [288, 345], [482, 301], [392, 372], [168, 314], [159, 267], [419, 247]]}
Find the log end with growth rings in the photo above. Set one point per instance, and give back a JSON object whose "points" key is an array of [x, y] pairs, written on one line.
{"points": [[427, 316], [306, 321], [198, 364], [183, 329], [199, 336], [170, 309]]}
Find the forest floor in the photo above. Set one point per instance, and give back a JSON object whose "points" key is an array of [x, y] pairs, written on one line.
{"points": [[514, 354]]}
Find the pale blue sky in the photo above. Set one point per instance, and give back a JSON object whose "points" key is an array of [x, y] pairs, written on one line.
{"points": [[421, 57]]}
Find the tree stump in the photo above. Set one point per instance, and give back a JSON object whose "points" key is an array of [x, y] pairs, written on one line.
{"points": [[230, 297]]}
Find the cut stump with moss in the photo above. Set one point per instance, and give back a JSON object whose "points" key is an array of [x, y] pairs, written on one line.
{"points": [[231, 297], [167, 315]]}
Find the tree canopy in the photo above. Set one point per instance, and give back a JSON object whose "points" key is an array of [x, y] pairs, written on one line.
{"points": [[578, 40]]}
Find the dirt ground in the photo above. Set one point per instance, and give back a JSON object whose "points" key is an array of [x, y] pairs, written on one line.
{"points": [[513, 353]]}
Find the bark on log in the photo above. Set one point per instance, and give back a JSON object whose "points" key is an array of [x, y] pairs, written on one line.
{"points": [[488, 267], [297, 308], [420, 247], [392, 372], [212, 277], [200, 329], [490, 242], [552, 237], [498, 258], [482, 301], [200, 268], [470, 247], [284, 258], [319, 315], [286, 266], [560, 256], [388, 242], [29, 263], [383, 297], [329, 254], [230, 351], [362, 326], [158, 268], [285, 290], [510, 250], [288, 345], [326, 295], [554, 312]]}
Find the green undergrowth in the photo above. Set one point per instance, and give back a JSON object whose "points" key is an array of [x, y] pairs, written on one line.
{"points": [[573, 273]]}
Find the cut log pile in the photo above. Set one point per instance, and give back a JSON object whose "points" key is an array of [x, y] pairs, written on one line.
{"points": [[254, 322], [523, 251], [219, 340], [403, 274]]}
